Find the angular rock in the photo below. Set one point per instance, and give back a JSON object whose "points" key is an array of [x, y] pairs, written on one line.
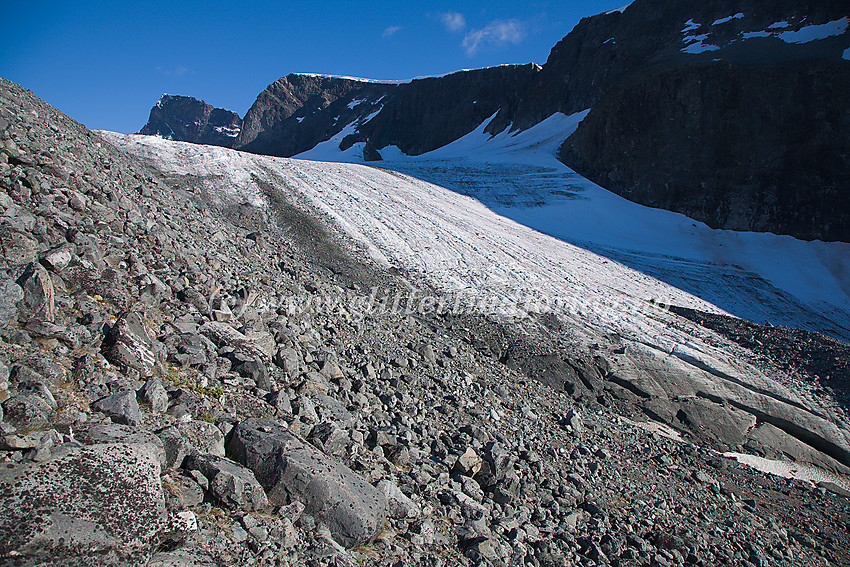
{"points": [[305, 409], [331, 409], [37, 388], [10, 294], [573, 419], [203, 436], [314, 383], [288, 359], [121, 407], [259, 344], [153, 287], [26, 413], [232, 484], [399, 506], [193, 297], [38, 303], [279, 401], [128, 345], [329, 438], [469, 463], [183, 491], [331, 370], [58, 257], [256, 371], [176, 446], [154, 395], [81, 501], [16, 248], [290, 469]]}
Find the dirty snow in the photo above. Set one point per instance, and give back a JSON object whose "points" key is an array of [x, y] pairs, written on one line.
{"points": [[785, 469], [460, 245]]}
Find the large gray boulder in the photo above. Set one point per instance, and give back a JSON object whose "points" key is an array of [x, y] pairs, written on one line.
{"points": [[16, 247], [107, 433], [290, 469], [81, 501], [255, 343]]}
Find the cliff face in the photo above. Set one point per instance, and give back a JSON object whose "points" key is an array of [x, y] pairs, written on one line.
{"points": [[734, 114], [761, 149], [187, 119], [426, 114], [730, 112], [296, 112]]}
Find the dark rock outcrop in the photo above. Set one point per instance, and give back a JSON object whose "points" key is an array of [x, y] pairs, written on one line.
{"points": [[187, 119], [426, 114], [730, 122], [296, 112], [735, 147]]}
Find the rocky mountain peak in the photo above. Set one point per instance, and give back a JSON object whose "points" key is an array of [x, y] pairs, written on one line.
{"points": [[187, 119]]}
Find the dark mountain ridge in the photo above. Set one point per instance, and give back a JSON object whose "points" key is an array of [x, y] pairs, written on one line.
{"points": [[188, 119], [733, 113]]}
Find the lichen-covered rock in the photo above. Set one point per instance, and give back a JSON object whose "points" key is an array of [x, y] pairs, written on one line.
{"points": [[38, 303], [26, 412], [203, 436], [104, 433], [16, 247], [258, 344], [291, 469], [82, 500], [153, 394]]}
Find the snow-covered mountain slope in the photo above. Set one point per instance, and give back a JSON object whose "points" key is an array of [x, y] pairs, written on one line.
{"points": [[757, 276], [458, 245]]}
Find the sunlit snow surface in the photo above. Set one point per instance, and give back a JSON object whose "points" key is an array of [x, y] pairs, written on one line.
{"points": [[757, 276], [449, 219]]}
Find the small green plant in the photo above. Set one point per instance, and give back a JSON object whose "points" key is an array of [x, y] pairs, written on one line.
{"points": [[207, 416]]}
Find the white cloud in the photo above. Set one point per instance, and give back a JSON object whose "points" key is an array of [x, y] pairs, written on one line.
{"points": [[390, 31], [454, 21], [496, 34]]}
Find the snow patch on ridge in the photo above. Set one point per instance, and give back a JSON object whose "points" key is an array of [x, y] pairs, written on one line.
{"points": [[816, 32], [737, 16], [697, 45]]}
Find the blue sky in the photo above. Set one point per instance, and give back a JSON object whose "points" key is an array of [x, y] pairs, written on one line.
{"points": [[106, 63]]}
